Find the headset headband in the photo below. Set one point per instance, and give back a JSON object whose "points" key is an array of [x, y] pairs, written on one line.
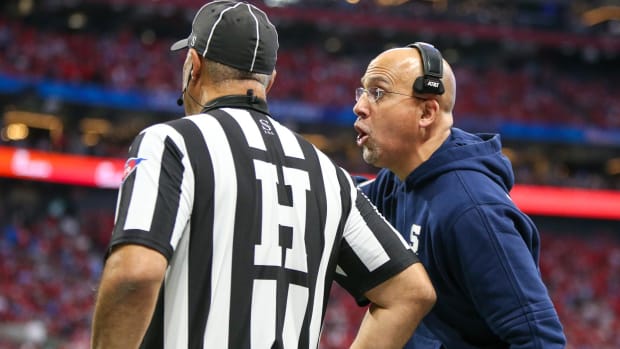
{"points": [[432, 65]]}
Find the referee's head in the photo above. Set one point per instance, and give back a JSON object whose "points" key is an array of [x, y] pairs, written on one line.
{"points": [[233, 33]]}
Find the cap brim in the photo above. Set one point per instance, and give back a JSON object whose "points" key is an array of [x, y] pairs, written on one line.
{"points": [[179, 45]]}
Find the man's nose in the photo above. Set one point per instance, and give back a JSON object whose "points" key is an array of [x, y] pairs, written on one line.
{"points": [[361, 107]]}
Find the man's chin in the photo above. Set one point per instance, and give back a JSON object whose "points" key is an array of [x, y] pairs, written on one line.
{"points": [[369, 157]]}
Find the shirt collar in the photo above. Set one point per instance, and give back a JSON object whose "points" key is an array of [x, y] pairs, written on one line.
{"points": [[248, 101]]}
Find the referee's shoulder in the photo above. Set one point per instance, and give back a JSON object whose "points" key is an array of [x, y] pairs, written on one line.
{"points": [[161, 128], [176, 131]]}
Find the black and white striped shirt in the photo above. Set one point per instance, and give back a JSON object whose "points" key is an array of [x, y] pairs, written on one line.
{"points": [[255, 222]]}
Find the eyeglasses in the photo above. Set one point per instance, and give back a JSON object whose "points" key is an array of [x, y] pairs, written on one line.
{"points": [[375, 93]]}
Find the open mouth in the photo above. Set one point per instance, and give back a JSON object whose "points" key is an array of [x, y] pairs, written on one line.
{"points": [[363, 132], [361, 137]]}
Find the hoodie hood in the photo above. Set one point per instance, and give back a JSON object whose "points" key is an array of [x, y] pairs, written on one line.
{"points": [[467, 152]]}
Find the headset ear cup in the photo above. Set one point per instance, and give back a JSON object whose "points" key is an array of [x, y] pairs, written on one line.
{"points": [[425, 84], [440, 88], [418, 85], [433, 85]]}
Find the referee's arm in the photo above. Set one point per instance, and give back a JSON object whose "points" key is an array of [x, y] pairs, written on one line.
{"points": [[397, 307], [127, 295], [400, 290]]}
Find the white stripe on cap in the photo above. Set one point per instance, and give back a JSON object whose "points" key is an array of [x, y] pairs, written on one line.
{"points": [[204, 54], [257, 37]]}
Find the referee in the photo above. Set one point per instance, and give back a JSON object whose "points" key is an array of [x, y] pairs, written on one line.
{"points": [[230, 228]]}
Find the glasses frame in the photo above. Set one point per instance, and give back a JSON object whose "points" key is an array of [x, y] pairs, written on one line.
{"points": [[378, 94]]}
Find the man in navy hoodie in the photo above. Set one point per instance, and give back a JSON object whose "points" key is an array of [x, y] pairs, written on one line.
{"points": [[447, 192]]}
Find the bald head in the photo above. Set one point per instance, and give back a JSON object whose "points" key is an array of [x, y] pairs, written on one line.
{"points": [[404, 64], [399, 128], [447, 100]]}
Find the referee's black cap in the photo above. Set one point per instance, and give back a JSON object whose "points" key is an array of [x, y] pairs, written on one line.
{"points": [[234, 33]]}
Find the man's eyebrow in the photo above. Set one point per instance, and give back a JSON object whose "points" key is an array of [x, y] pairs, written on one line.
{"points": [[373, 80]]}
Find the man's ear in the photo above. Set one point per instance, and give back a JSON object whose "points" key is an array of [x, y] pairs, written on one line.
{"points": [[271, 80], [196, 64], [430, 112]]}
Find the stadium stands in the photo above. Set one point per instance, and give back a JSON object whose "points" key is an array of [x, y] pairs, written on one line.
{"points": [[492, 85], [542, 73], [544, 95], [53, 241]]}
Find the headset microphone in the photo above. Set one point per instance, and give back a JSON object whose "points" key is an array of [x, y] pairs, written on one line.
{"points": [[189, 77], [180, 99]]}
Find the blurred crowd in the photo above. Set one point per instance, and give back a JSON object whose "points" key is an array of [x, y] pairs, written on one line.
{"points": [[53, 239], [494, 83], [498, 84], [51, 254], [565, 16], [585, 285]]}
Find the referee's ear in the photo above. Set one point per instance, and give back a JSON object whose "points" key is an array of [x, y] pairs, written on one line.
{"points": [[271, 80], [196, 64]]}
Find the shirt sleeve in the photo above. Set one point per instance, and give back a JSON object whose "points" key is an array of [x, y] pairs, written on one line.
{"points": [[156, 195], [494, 259], [371, 252]]}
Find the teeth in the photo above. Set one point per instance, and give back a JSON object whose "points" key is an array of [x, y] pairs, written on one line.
{"points": [[360, 139]]}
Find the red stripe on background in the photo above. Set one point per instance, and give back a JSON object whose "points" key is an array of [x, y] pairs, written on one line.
{"points": [[108, 172], [61, 168], [567, 202]]}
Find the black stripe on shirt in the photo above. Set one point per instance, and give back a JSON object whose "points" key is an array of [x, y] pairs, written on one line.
{"points": [[400, 255], [201, 236], [126, 191], [169, 192], [246, 234], [316, 215]]}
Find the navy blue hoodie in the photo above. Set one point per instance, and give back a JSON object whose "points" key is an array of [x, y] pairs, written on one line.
{"points": [[480, 250]]}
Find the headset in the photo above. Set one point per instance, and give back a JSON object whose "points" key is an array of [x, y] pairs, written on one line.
{"points": [[180, 99], [432, 63]]}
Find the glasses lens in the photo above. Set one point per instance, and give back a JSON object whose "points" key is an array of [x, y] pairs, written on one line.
{"points": [[358, 93], [374, 93]]}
